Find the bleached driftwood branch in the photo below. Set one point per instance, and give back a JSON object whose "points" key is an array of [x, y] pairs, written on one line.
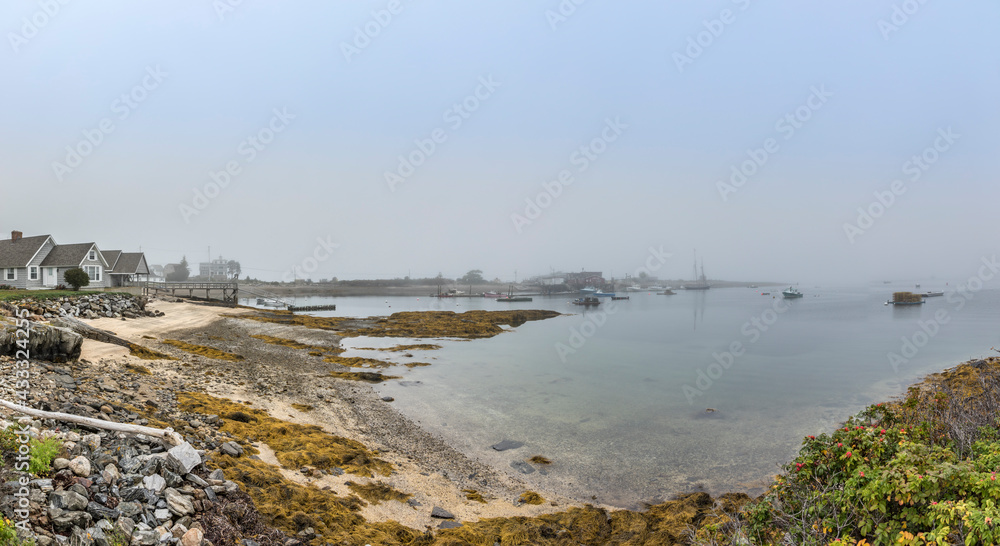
{"points": [[167, 435]]}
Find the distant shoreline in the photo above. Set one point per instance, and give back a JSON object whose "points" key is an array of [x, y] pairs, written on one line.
{"points": [[428, 290]]}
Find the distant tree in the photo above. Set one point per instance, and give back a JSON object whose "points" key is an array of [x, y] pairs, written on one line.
{"points": [[233, 269], [182, 273], [472, 277], [77, 278], [643, 275]]}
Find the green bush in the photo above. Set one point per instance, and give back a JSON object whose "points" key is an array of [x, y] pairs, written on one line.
{"points": [[77, 278], [42, 454]]}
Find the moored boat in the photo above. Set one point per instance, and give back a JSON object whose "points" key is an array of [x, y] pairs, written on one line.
{"points": [[791, 293], [587, 301]]}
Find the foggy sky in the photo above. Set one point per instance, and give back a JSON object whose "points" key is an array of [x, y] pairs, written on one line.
{"points": [[173, 92]]}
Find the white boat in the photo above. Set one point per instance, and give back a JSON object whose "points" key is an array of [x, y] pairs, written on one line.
{"points": [[634, 288], [791, 293]]}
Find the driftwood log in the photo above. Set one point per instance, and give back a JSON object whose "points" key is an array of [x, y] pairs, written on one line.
{"points": [[167, 435], [88, 331]]}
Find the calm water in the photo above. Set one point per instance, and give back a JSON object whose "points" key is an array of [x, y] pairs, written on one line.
{"points": [[617, 398]]}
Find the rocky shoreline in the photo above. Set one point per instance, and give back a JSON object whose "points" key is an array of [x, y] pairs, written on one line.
{"points": [[449, 499], [279, 450]]}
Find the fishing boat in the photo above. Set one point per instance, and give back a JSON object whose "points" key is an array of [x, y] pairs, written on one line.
{"points": [[791, 293], [619, 298], [932, 294], [588, 290], [587, 301], [604, 294], [656, 287], [634, 288], [667, 292], [492, 295]]}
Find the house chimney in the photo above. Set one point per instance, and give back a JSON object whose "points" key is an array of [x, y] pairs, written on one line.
{"points": [[15, 235]]}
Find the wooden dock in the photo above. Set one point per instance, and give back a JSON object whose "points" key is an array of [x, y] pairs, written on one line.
{"points": [[229, 290], [294, 308]]}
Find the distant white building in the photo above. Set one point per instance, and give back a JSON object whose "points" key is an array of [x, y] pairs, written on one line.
{"points": [[216, 269]]}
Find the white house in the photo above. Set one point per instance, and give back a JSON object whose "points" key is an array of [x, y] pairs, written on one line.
{"points": [[38, 262]]}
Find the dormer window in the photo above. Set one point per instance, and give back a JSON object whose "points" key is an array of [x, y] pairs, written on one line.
{"points": [[93, 256]]}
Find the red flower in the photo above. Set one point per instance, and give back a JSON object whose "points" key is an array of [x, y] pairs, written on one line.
{"points": [[848, 454], [862, 474]]}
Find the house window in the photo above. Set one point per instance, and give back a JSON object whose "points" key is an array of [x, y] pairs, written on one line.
{"points": [[93, 256], [94, 272], [33, 272], [11, 274]]}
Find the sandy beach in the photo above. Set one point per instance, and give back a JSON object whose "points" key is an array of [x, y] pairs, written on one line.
{"points": [[273, 378]]}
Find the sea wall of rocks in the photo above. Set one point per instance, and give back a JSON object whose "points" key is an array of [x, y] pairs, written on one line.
{"points": [[87, 305]]}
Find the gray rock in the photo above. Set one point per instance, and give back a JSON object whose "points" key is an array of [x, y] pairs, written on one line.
{"points": [[178, 503], [441, 513], [124, 525], [80, 537], [507, 444], [111, 474], [162, 514], [173, 480], [93, 441], [449, 525], [129, 509], [68, 500], [100, 511], [232, 449], [183, 458], [154, 483], [195, 479], [59, 463], [522, 467], [145, 538], [217, 474], [68, 520], [80, 466]]}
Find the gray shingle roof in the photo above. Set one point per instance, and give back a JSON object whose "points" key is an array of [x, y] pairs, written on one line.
{"points": [[129, 264], [19, 253], [67, 255], [111, 256]]}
